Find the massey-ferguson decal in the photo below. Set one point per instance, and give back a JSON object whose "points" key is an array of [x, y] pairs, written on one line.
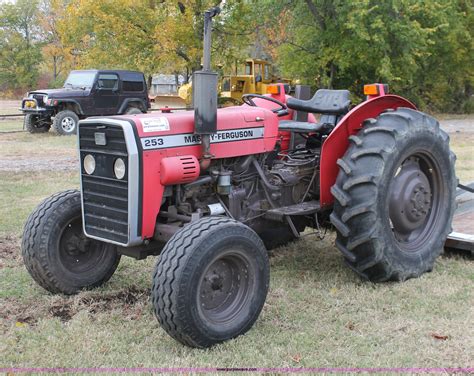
{"points": [[190, 139]]}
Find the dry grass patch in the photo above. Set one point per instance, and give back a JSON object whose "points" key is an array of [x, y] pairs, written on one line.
{"points": [[462, 144], [11, 124], [19, 144], [21, 192]]}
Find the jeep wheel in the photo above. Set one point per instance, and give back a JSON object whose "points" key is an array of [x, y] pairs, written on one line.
{"points": [[34, 124], [57, 254], [394, 196], [133, 111], [210, 282], [65, 123]]}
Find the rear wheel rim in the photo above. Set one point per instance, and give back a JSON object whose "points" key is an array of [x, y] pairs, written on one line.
{"points": [[77, 253], [225, 288], [415, 200]]}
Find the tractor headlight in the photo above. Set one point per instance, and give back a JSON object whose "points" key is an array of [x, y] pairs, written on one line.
{"points": [[89, 164], [119, 168]]}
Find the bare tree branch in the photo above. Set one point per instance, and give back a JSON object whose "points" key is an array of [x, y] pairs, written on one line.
{"points": [[316, 14]]}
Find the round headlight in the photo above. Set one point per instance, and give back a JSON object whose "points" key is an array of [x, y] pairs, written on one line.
{"points": [[119, 168], [89, 164]]}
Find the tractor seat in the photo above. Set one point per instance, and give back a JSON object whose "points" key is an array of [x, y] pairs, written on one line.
{"points": [[299, 126], [324, 101], [325, 125]]}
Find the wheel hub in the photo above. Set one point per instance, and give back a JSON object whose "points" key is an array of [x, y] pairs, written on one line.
{"points": [[410, 198], [219, 284], [68, 124], [77, 252], [76, 244]]}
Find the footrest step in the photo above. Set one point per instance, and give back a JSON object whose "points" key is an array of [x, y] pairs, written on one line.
{"points": [[304, 208]]}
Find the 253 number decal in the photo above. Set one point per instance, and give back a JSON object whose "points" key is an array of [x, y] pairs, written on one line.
{"points": [[151, 142]]}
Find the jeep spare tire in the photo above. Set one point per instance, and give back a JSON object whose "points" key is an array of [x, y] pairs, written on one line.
{"points": [[65, 123], [34, 124]]}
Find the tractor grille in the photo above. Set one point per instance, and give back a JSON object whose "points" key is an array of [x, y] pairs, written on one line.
{"points": [[105, 198]]}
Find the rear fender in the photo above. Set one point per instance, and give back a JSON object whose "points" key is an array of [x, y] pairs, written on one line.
{"points": [[337, 143], [132, 101]]}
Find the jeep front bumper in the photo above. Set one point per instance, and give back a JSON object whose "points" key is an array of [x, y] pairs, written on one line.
{"points": [[30, 106]]}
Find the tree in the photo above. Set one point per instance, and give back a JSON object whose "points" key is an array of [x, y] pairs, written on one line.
{"points": [[150, 36], [58, 58], [415, 46], [20, 53], [447, 75]]}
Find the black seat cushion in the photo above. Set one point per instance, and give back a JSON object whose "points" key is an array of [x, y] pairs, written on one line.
{"points": [[299, 126], [324, 101]]}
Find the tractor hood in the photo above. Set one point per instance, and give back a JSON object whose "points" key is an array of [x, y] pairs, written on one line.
{"points": [[234, 124], [62, 93]]}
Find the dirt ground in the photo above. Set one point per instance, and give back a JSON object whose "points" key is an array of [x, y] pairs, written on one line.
{"points": [[9, 107], [17, 164]]}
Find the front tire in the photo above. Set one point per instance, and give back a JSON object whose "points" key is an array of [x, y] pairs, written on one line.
{"points": [[57, 254], [394, 196], [65, 123], [210, 282], [34, 124]]}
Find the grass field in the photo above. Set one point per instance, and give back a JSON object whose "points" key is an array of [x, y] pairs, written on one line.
{"points": [[317, 314]]}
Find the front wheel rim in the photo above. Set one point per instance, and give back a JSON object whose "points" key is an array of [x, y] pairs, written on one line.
{"points": [[77, 253], [225, 288], [415, 200], [68, 124]]}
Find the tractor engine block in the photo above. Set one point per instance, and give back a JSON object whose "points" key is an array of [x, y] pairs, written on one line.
{"points": [[245, 188]]}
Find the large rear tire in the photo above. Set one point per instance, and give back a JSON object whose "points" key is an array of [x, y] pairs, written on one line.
{"points": [[57, 254], [210, 282], [394, 196]]}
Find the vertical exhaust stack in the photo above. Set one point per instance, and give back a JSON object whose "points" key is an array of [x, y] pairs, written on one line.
{"points": [[205, 93]]}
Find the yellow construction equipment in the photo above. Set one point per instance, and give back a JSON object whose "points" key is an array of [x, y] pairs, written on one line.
{"points": [[256, 75], [252, 78]]}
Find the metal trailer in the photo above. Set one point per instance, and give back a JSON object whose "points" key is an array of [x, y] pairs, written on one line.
{"points": [[462, 237]]}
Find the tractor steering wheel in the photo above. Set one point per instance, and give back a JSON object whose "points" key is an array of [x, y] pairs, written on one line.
{"points": [[248, 100]]}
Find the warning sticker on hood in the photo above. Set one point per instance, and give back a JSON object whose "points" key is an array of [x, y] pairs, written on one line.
{"points": [[159, 124]]}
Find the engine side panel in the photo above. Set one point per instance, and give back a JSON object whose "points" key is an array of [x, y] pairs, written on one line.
{"points": [[240, 131], [337, 143]]}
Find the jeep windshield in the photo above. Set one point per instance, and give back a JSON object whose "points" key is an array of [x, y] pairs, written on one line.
{"points": [[80, 80]]}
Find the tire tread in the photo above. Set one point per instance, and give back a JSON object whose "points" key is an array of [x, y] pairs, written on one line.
{"points": [[356, 195]]}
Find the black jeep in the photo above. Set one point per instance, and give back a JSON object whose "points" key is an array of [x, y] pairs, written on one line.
{"points": [[85, 93]]}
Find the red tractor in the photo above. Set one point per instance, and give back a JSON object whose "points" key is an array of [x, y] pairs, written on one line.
{"points": [[210, 192]]}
